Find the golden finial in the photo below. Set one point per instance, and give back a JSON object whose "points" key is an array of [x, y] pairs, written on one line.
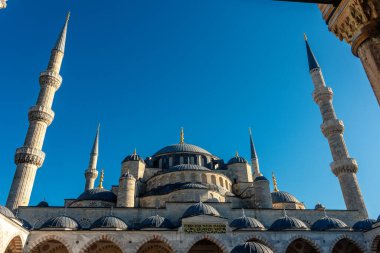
{"points": [[68, 16], [305, 36], [182, 137], [101, 180], [274, 182], [237, 153], [135, 152]]}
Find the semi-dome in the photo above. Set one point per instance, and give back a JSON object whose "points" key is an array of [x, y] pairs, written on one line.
{"points": [[61, 222], [251, 247], [364, 225], [237, 159], [247, 222], [6, 212], [109, 223], [182, 148], [188, 167], [156, 221], [283, 197], [200, 209], [43, 203], [288, 223], [98, 194], [328, 223]]}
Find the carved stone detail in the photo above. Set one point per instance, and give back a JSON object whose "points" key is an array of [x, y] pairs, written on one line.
{"points": [[332, 126], [322, 94], [50, 78], [347, 165], [40, 113], [29, 155]]}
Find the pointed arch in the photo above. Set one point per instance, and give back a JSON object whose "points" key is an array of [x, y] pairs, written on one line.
{"points": [[301, 243], [156, 238], [14, 245], [259, 239], [346, 239], [207, 237], [375, 246], [105, 242], [60, 243]]}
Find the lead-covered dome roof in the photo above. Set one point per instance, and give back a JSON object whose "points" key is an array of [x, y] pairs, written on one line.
{"points": [[364, 225], [156, 221], [247, 222], [251, 247], [200, 209], [288, 223], [98, 194], [182, 148], [6, 212], [43, 203], [329, 223], [61, 222], [187, 167], [133, 157], [283, 197], [109, 223], [237, 159]]}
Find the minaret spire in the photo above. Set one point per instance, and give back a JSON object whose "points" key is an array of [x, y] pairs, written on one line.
{"points": [[91, 173], [343, 166], [254, 158], [30, 156], [61, 41]]}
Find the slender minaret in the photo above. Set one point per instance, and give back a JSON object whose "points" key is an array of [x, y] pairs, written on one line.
{"points": [[254, 159], [343, 166], [30, 157], [91, 173]]}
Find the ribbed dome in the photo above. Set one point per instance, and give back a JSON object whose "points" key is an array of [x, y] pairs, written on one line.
{"points": [[200, 209], [156, 222], [133, 157], [364, 225], [319, 206], [25, 224], [181, 148], [283, 197], [6, 212], [43, 204], [288, 223], [109, 223], [187, 167], [328, 223], [237, 159], [247, 222], [261, 178], [193, 186], [98, 194], [61, 222], [251, 247]]}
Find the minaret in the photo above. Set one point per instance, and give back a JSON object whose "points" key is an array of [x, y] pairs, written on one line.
{"points": [[254, 159], [343, 166], [30, 156], [91, 173]]}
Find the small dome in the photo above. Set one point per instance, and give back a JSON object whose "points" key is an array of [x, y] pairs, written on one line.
{"points": [[6, 212], [247, 222], [187, 167], [43, 204], [319, 206], [237, 159], [193, 186], [288, 223], [61, 222], [133, 157], [261, 178], [251, 247], [328, 223], [25, 224], [200, 209], [182, 148], [283, 197], [364, 225], [98, 194], [156, 222], [109, 223]]}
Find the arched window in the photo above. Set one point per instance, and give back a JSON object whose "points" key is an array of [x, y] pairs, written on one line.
{"points": [[213, 179], [204, 178], [193, 177], [221, 182], [155, 246], [205, 246], [301, 246], [50, 246], [15, 245], [346, 246]]}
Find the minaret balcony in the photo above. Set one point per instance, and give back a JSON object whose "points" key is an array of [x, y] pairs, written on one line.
{"points": [[50, 78], [332, 126], [347, 165], [29, 155], [41, 113], [322, 94]]}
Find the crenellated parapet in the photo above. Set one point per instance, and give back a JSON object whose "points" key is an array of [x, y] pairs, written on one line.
{"points": [[29, 155]]}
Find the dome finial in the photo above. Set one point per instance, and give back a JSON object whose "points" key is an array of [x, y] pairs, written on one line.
{"points": [[274, 182], [101, 180], [182, 137], [236, 154], [134, 152], [305, 36]]}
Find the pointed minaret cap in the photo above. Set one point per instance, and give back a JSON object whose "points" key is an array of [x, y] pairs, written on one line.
{"points": [[313, 64], [61, 41], [95, 146], [253, 150]]}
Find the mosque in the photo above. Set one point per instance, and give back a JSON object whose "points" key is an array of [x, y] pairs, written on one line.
{"points": [[182, 199]]}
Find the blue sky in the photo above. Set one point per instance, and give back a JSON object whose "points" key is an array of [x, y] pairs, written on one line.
{"points": [[145, 68]]}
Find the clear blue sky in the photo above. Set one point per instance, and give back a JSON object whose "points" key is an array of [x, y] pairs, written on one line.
{"points": [[145, 68]]}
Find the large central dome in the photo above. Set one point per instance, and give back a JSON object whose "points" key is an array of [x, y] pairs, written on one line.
{"points": [[181, 148]]}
